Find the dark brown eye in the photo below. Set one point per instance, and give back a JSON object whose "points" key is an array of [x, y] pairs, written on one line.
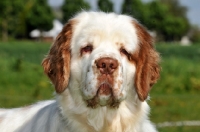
{"points": [[124, 52], [86, 49]]}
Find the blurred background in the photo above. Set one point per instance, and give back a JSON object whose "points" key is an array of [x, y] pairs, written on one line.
{"points": [[28, 27]]}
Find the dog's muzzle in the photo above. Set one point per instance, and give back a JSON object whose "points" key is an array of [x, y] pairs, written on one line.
{"points": [[106, 68]]}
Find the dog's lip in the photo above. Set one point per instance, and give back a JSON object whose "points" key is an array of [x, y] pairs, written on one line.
{"points": [[103, 96], [104, 89]]}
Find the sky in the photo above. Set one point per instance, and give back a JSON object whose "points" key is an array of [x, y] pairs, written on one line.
{"points": [[193, 6]]}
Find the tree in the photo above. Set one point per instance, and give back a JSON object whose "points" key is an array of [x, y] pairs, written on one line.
{"points": [[168, 24], [8, 17], [105, 5], [175, 7], [136, 9], [70, 7], [40, 16], [19, 17], [179, 13], [195, 34], [22, 29], [167, 19]]}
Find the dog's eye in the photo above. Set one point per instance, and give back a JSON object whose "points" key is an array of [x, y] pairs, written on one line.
{"points": [[86, 49], [124, 52]]}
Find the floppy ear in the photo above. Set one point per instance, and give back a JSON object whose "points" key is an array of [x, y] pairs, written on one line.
{"points": [[57, 63], [147, 63]]}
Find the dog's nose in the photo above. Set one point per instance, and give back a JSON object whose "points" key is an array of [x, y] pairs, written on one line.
{"points": [[107, 65]]}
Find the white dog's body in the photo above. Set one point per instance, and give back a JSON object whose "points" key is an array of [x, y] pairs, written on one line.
{"points": [[47, 117], [102, 67]]}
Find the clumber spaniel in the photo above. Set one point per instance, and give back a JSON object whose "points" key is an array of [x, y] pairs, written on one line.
{"points": [[103, 67]]}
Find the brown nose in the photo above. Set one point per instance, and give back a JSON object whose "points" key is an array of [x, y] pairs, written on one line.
{"points": [[107, 65]]}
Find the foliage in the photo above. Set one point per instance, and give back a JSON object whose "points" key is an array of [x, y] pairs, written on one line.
{"points": [[105, 5], [135, 8], [9, 17], [167, 18], [70, 7], [175, 7], [40, 16], [171, 16], [195, 37], [19, 17]]}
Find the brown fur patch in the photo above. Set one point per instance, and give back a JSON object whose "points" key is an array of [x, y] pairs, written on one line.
{"points": [[147, 63], [57, 63]]}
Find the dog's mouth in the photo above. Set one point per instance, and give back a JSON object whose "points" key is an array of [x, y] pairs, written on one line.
{"points": [[103, 97], [106, 90], [104, 94]]}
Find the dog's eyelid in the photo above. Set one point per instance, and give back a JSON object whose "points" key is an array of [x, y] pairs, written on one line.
{"points": [[125, 52], [87, 49]]}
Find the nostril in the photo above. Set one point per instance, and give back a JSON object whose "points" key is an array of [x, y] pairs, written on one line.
{"points": [[103, 65], [114, 64], [111, 66]]}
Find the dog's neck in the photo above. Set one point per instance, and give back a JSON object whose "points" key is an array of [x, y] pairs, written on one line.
{"points": [[101, 119]]}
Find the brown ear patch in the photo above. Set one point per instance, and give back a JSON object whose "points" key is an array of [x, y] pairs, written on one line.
{"points": [[57, 63], [147, 63]]}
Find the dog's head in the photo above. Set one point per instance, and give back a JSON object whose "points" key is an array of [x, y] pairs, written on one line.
{"points": [[105, 56]]}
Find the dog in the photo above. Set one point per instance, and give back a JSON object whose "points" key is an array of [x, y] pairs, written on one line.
{"points": [[102, 66]]}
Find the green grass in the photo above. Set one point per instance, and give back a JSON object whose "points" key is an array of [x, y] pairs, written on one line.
{"points": [[176, 95], [22, 80], [174, 98], [180, 69], [175, 107]]}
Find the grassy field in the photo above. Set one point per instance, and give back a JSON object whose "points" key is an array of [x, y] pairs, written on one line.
{"points": [[176, 96], [22, 80]]}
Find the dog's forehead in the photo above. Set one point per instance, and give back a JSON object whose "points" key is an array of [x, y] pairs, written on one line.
{"points": [[104, 29]]}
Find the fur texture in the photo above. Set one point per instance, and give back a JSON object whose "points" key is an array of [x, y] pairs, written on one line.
{"points": [[103, 67]]}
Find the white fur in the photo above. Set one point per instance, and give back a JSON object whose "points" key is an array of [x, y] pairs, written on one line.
{"points": [[69, 113]]}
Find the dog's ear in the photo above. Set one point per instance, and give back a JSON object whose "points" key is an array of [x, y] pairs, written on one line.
{"points": [[57, 63], [147, 63]]}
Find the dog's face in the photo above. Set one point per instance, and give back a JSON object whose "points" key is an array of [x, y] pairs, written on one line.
{"points": [[105, 56]]}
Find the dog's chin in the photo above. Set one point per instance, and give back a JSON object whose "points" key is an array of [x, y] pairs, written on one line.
{"points": [[103, 97]]}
